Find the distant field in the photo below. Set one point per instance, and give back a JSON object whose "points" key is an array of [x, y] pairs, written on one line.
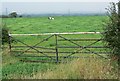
{"points": [[60, 24]]}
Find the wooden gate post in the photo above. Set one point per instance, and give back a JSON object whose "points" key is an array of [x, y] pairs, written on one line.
{"points": [[56, 48], [9, 42]]}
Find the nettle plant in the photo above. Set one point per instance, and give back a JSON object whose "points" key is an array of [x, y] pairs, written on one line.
{"points": [[111, 35]]}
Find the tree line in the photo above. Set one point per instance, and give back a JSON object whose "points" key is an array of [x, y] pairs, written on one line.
{"points": [[11, 15]]}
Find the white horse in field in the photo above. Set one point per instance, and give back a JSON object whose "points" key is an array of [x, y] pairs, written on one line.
{"points": [[51, 18]]}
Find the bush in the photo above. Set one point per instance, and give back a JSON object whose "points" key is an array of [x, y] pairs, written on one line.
{"points": [[111, 34], [5, 34], [13, 15]]}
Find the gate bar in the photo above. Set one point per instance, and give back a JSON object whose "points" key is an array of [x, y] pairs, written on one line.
{"points": [[66, 33]]}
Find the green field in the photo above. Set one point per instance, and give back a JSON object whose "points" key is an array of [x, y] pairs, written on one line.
{"points": [[60, 24], [15, 69]]}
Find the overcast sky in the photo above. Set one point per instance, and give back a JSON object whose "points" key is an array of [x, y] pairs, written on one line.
{"points": [[54, 7], [59, 0], [34, 7]]}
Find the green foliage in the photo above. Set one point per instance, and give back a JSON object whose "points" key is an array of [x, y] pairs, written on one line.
{"points": [[13, 14], [111, 33], [5, 34]]}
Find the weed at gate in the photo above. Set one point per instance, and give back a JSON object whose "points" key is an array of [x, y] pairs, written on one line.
{"points": [[90, 68]]}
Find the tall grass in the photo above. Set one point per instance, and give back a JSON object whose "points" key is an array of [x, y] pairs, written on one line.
{"points": [[84, 68]]}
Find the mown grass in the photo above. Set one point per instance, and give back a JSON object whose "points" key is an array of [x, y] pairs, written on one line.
{"points": [[60, 24], [51, 43]]}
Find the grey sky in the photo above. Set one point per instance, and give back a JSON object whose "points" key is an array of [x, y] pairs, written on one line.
{"points": [[54, 7]]}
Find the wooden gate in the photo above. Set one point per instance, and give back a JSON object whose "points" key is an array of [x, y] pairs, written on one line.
{"points": [[62, 47]]}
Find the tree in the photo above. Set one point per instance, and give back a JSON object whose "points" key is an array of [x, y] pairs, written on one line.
{"points": [[13, 14], [111, 34], [20, 16]]}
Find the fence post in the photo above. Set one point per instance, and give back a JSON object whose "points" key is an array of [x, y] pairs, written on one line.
{"points": [[9, 42], [56, 48]]}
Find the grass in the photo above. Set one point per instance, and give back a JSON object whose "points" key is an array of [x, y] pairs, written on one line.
{"points": [[51, 44], [13, 66], [83, 68], [60, 24], [99, 68], [90, 68]]}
